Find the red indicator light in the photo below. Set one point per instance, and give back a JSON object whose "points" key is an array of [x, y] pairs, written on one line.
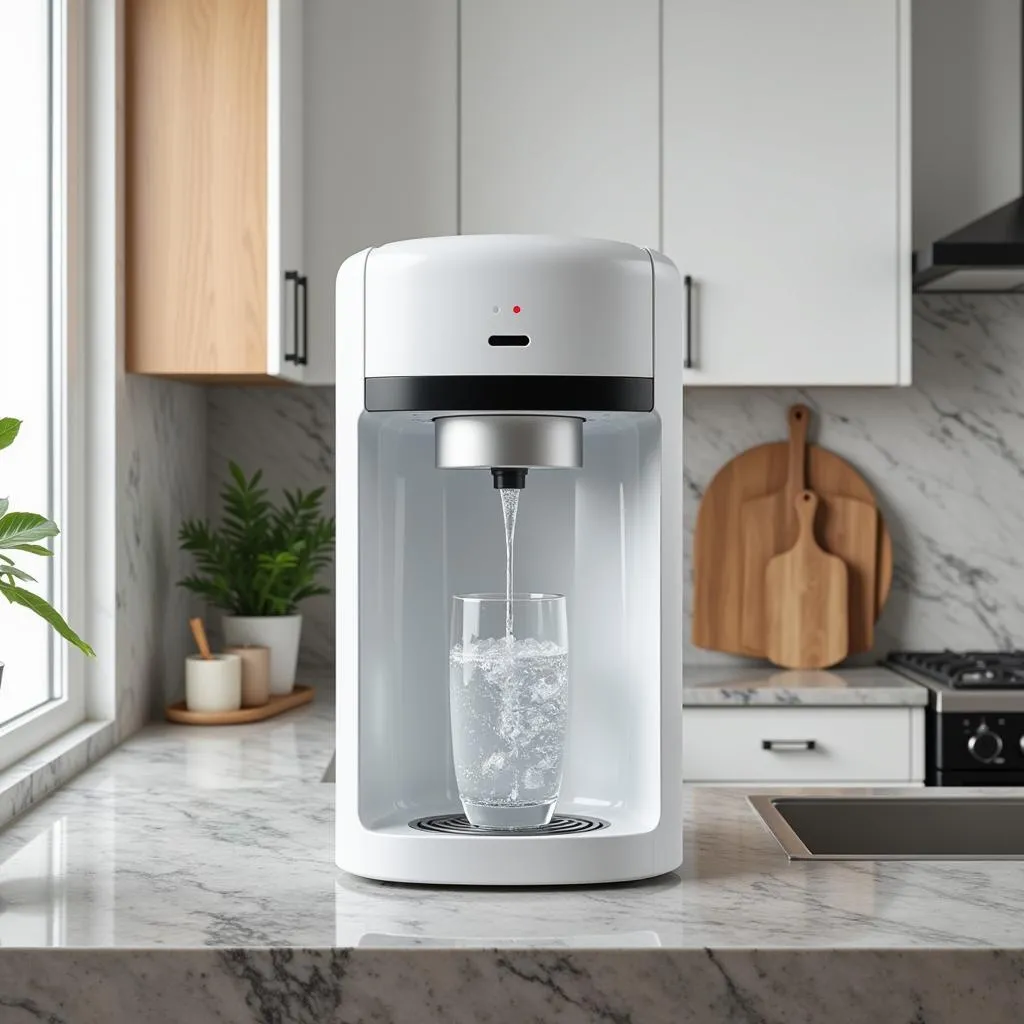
{"points": [[515, 309]]}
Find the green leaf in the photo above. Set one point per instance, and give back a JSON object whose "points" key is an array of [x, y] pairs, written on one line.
{"points": [[13, 571], [18, 528], [4, 503], [9, 428], [38, 605], [32, 549]]}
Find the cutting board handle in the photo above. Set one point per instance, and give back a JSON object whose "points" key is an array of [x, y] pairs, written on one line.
{"points": [[799, 420], [806, 504]]}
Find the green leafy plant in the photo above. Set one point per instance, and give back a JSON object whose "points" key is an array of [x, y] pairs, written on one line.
{"points": [[22, 531], [262, 559]]}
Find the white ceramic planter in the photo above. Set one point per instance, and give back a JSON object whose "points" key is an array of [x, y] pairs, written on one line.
{"points": [[281, 633]]}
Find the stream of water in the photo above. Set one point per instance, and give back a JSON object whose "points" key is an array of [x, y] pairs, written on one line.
{"points": [[509, 510]]}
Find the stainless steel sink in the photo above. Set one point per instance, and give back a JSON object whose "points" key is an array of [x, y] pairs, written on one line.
{"points": [[895, 827]]}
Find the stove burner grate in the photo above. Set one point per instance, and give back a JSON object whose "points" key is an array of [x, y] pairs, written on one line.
{"points": [[966, 670], [457, 824]]}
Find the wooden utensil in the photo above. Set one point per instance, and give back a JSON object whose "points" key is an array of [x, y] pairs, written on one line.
{"points": [[806, 594], [718, 551], [199, 634], [767, 528]]}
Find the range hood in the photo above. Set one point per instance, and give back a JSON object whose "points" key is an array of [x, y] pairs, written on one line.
{"points": [[969, 75], [985, 256]]}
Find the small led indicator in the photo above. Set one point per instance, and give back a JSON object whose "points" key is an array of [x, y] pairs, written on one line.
{"points": [[515, 309]]}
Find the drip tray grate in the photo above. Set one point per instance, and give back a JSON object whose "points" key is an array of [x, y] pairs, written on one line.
{"points": [[458, 825]]}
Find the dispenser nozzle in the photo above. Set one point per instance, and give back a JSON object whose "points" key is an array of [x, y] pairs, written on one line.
{"points": [[505, 477]]}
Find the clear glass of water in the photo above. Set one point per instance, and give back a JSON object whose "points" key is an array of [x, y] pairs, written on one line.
{"points": [[509, 706]]}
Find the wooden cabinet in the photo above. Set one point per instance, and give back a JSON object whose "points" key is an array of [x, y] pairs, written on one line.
{"points": [[560, 118], [216, 288], [786, 188], [757, 746]]}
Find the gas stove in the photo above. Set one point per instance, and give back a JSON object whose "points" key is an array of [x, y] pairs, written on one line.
{"points": [[975, 728], [966, 680], [969, 670]]}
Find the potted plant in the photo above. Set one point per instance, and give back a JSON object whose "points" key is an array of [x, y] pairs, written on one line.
{"points": [[259, 564], [22, 531]]}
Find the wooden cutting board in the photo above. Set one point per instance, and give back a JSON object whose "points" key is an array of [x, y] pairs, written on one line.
{"points": [[767, 528], [718, 550], [845, 527], [849, 528], [806, 599]]}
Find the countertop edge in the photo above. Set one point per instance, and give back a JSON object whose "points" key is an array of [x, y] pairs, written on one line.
{"points": [[578, 985], [765, 697]]}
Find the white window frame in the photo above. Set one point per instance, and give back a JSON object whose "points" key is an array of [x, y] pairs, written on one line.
{"points": [[31, 730]]}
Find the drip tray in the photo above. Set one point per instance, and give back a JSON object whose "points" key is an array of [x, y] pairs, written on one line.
{"points": [[458, 825]]}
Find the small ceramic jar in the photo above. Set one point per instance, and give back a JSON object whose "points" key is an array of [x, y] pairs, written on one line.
{"points": [[255, 673], [213, 684]]}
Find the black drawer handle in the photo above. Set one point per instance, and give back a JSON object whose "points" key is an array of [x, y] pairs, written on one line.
{"points": [[688, 358], [301, 283], [292, 355], [789, 746]]}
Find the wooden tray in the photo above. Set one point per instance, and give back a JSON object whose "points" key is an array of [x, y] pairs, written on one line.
{"points": [[277, 703]]}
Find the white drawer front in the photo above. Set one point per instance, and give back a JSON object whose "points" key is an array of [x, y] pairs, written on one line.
{"points": [[798, 744]]}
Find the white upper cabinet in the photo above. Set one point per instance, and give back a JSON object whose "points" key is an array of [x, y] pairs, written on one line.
{"points": [[764, 147], [381, 139], [786, 187], [560, 118]]}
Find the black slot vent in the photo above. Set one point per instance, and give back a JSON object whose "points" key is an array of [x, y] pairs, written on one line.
{"points": [[509, 340]]}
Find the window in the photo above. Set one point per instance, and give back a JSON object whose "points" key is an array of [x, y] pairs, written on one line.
{"points": [[42, 691]]}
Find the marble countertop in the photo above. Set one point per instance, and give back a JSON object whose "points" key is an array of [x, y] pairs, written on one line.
{"points": [[193, 837], [768, 685]]}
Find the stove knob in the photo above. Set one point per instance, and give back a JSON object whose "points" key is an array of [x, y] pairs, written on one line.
{"points": [[985, 746]]}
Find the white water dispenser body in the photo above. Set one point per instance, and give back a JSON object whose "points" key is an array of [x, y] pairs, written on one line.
{"points": [[588, 333]]}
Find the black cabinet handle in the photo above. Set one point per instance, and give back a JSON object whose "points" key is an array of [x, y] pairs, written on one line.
{"points": [[292, 356], [788, 746], [688, 358], [301, 283]]}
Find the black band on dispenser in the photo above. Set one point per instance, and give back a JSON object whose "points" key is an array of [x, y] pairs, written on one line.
{"points": [[511, 393]]}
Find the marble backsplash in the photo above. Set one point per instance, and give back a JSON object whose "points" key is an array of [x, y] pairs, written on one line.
{"points": [[945, 457], [161, 480]]}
